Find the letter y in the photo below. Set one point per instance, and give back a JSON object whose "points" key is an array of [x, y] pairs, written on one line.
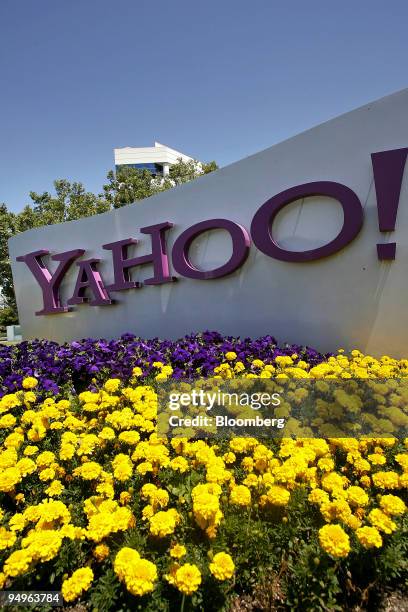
{"points": [[50, 283]]}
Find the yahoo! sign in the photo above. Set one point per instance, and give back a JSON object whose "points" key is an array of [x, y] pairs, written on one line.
{"points": [[298, 241], [388, 168]]}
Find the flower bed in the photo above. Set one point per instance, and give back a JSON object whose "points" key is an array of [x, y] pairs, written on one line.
{"points": [[93, 502], [74, 365]]}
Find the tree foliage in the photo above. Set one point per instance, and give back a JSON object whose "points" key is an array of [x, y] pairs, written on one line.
{"points": [[7, 229], [71, 201]]}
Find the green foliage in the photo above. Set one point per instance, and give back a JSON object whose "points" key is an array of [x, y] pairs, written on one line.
{"points": [[183, 172], [129, 185], [6, 280], [104, 596], [7, 317]]}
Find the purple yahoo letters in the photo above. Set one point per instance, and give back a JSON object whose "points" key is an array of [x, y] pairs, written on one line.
{"points": [[240, 249], [50, 283], [89, 278], [388, 169], [261, 227], [158, 257]]}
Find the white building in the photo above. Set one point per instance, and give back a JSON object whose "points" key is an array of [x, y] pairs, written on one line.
{"points": [[157, 159]]}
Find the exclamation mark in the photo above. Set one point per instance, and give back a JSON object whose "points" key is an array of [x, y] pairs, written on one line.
{"points": [[388, 168]]}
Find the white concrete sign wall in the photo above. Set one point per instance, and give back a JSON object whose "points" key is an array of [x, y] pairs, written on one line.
{"points": [[350, 298]]}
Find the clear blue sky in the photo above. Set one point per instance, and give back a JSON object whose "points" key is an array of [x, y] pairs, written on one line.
{"points": [[219, 79]]}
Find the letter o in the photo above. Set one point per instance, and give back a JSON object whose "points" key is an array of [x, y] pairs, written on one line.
{"points": [[261, 226], [240, 249]]}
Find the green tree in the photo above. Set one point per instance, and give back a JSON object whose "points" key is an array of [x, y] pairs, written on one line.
{"points": [[183, 172], [70, 202], [6, 280], [8, 316], [129, 185]]}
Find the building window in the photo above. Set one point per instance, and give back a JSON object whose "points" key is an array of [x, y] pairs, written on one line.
{"points": [[155, 169]]}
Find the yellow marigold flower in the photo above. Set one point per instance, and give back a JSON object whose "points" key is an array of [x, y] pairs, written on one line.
{"points": [[377, 459], [30, 450], [369, 537], [402, 459], [222, 566], [125, 497], [352, 521], [144, 467], [138, 574], [283, 360], [179, 464], [160, 498], [7, 538], [391, 504], [14, 440], [230, 356], [178, 551], [318, 496], [365, 481], [100, 552], [67, 452], [332, 481], [357, 496], [334, 540], [147, 490], [17, 563], [107, 433], [47, 511], [100, 525], [9, 478], [382, 521], [122, 467], [137, 372], [30, 382], [79, 582], [88, 471], [43, 545], [187, 578], [29, 397], [336, 510], [161, 376], [386, 480], [240, 496], [17, 522], [47, 474], [26, 466], [56, 488], [125, 559], [147, 512], [326, 464], [129, 437], [7, 421], [164, 523], [112, 385], [45, 459], [251, 481], [278, 496]]}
